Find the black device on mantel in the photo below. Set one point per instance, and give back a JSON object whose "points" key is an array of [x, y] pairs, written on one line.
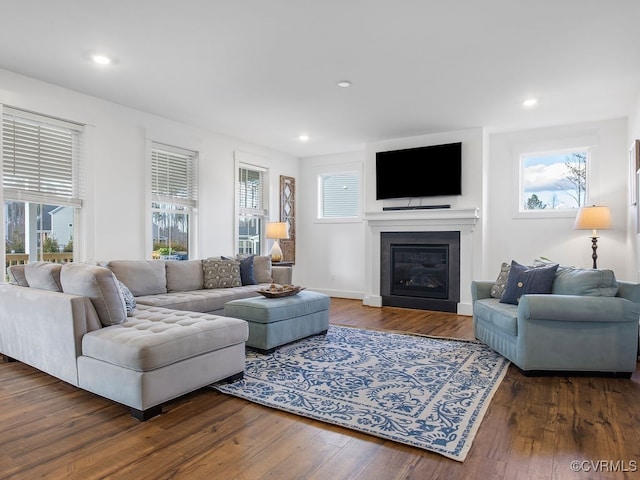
{"points": [[417, 207], [430, 171]]}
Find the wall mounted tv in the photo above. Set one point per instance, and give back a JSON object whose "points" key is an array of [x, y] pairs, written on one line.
{"points": [[431, 171]]}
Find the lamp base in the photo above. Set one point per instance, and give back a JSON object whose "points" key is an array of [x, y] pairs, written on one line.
{"points": [[594, 247], [276, 251]]}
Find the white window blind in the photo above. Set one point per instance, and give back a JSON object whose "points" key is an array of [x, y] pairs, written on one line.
{"points": [[174, 175], [251, 191], [42, 159], [340, 194]]}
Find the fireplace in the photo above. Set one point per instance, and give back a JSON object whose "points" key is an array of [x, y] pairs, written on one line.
{"points": [[420, 270]]}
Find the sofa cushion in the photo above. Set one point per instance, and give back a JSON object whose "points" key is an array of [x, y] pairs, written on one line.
{"points": [[503, 316], [143, 277], [16, 275], [262, 269], [155, 337], [100, 286], [184, 275], [497, 289], [221, 273], [43, 275], [523, 280], [580, 281], [203, 300], [247, 271]]}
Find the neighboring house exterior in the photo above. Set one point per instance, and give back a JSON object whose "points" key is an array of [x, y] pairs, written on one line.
{"points": [[61, 225]]}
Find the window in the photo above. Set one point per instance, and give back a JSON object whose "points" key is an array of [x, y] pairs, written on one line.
{"points": [[553, 181], [174, 198], [42, 186], [252, 211], [339, 195]]}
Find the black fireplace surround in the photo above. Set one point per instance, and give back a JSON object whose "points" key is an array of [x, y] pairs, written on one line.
{"points": [[420, 270]]}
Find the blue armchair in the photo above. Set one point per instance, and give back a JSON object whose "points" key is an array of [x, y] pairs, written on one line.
{"points": [[559, 332]]}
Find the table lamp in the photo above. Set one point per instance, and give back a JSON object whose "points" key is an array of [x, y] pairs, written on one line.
{"points": [[276, 231], [593, 218]]}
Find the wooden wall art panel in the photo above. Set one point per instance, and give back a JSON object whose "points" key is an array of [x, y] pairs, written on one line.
{"points": [[288, 214]]}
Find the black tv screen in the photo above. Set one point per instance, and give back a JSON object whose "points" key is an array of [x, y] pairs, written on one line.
{"points": [[430, 171]]}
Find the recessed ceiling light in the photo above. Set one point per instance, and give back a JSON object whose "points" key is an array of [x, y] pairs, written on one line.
{"points": [[530, 102], [101, 59], [344, 83], [303, 138]]}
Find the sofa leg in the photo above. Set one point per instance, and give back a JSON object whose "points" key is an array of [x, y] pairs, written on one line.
{"points": [[8, 359], [144, 415], [233, 378]]}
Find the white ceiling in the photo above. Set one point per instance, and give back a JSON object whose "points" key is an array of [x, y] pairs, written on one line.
{"points": [[267, 70]]}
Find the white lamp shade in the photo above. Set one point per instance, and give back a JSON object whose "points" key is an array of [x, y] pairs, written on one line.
{"points": [[277, 230], [593, 218]]}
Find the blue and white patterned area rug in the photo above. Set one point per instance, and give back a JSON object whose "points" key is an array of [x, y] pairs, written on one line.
{"points": [[431, 393]]}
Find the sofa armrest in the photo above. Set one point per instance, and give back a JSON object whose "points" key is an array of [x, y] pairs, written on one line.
{"points": [[629, 290], [480, 289], [281, 274], [44, 329], [577, 308]]}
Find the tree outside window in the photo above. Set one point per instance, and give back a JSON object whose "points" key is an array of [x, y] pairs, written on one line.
{"points": [[553, 181]]}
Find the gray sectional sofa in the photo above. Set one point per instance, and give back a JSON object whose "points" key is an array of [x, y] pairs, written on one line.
{"points": [[137, 332]]}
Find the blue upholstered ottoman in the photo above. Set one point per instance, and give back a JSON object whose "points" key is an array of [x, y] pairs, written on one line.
{"points": [[276, 321]]}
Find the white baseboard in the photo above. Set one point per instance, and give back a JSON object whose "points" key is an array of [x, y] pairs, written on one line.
{"points": [[338, 293], [465, 309]]}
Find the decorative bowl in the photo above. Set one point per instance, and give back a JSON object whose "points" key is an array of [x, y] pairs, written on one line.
{"points": [[278, 291]]}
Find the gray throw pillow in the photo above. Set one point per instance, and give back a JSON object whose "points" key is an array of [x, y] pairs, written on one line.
{"points": [[262, 269], [497, 289], [221, 273]]}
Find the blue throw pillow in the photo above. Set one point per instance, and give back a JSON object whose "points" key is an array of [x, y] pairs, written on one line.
{"points": [[247, 274], [523, 280]]}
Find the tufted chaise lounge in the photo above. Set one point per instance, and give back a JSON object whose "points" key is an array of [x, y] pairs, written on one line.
{"points": [[158, 354]]}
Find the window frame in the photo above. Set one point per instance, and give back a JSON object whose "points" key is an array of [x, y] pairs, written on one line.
{"points": [[320, 193], [44, 139], [187, 202], [243, 160], [585, 143]]}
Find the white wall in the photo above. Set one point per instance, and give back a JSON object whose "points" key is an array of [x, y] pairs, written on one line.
{"points": [[329, 254], [524, 239], [633, 243], [489, 183], [115, 218]]}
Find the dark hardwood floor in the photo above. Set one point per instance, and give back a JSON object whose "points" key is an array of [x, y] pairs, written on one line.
{"points": [[533, 429]]}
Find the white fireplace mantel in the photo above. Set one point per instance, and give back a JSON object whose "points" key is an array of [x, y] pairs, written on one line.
{"points": [[442, 217], [463, 220]]}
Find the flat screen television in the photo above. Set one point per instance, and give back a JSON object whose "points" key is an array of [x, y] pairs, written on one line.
{"points": [[431, 171]]}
